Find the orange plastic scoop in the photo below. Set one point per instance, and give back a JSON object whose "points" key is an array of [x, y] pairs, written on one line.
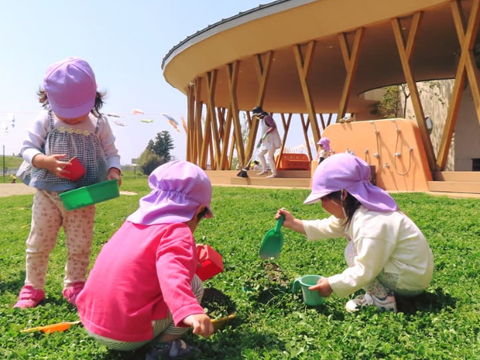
{"points": [[53, 327]]}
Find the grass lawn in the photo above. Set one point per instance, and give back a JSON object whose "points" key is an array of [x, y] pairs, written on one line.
{"points": [[271, 323]]}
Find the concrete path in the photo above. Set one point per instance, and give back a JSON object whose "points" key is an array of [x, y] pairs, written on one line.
{"points": [[15, 189]]}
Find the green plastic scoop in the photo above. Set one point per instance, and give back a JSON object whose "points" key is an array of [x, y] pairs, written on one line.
{"points": [[273, 241]]}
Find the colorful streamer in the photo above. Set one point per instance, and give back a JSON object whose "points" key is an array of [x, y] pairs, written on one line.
{"points": [[119, 123], [172, 122], [184, 125]]}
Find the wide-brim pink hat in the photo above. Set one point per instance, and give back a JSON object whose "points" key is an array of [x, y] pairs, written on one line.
{"points": [[70, 87], [348, 172], [178, 189]]}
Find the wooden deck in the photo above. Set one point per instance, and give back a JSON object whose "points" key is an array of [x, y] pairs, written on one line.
{"points": [[458, 183], [286, 179], [467, 182]]}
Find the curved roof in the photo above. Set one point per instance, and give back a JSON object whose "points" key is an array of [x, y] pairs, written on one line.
{"points": [[279, 25]]}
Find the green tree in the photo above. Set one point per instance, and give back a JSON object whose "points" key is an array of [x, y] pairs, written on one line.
{"points": [[149, 161], [390, 105], [162, 145], [156, 153]]}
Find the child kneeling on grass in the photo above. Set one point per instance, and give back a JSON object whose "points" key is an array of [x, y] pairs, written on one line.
{"points": [[386, 252], [143, 288]]}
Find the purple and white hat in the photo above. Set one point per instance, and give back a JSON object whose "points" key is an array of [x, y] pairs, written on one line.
{"points": [[348, 172], [71, 88], [325, 142], [178, 189]]}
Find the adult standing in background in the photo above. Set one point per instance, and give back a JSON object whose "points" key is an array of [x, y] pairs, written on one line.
{"points": [[270, 141]]}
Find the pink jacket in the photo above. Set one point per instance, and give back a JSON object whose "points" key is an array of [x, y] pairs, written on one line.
{"points": [[141, 273]]}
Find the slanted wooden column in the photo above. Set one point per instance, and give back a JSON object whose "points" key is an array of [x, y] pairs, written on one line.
{"points": [[286, 127], [225, 118], [305, 125], [263, 71], [197, 128], [350, 59], [221, 121], [232, 72], [303, 66], [191, 153], [466, 67], [405, 50], [329, 118], [211, 128]]}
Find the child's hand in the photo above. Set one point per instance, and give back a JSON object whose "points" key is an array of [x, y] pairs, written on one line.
{"points": [[52, 163], [290, 221], [114, 173], [201, 324], [323, 287]]}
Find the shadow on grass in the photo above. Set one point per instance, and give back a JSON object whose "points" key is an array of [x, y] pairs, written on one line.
{"points": [[426, 302], [14, 285], [227, 344], [218, 304]]}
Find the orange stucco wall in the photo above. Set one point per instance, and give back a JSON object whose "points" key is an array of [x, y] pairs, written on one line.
{"points": [[407, 172]]}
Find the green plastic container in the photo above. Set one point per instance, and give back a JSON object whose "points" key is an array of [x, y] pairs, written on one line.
{"points": [[89, 195], [312, 298]]}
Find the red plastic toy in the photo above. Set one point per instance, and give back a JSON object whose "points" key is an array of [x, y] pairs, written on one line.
{"points": [[76, 169], [210, 262]]}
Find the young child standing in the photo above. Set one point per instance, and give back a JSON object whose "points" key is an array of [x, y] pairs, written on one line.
{"points": [[386, 252], [70, 126], [325, 149], [143, 288]]}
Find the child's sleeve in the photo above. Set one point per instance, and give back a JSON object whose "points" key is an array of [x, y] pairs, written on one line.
{"points": [[36, 135], [323, 229], [372, 255], [107, 140], [176, 264], [270, 123]]}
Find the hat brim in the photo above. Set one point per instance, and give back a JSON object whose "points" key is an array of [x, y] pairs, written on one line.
{"points": [[316, 197], [72, 113], [209, 214]]}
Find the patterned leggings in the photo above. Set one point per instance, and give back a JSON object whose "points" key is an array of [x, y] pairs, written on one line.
{"points": [[48, 215], [159, 326], [384, 284]]}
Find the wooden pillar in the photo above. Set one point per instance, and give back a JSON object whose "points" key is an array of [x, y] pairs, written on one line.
{"points": [[286, 127], [303, 66], [190, 122], [232, 71], [211, 129], [198, 123], [263, 71], [329, 119], [305, 126], [466, 67], [405, 51], [350, 59]]}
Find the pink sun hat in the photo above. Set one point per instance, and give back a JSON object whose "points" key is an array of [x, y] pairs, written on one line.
{"points": [[71, 87], [348, 172], [325, 142], [178, 189]]}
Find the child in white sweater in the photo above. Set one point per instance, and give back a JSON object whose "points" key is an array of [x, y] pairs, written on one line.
{"points": [[386, 252]]}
